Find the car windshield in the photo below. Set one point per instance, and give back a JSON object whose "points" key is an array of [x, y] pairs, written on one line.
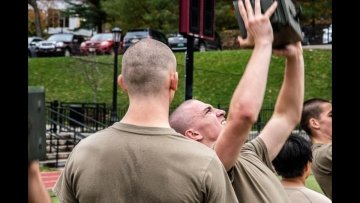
{"points": [[139, 34], [102, 37], [64, 37]]}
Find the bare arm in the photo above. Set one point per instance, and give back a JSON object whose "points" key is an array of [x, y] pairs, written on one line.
{"points": [[248, 96], [36, 188], [288, 107]]}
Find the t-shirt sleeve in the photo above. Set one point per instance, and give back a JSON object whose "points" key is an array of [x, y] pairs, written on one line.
{"points": [[62, 188], [258, 147], [216, 184]]}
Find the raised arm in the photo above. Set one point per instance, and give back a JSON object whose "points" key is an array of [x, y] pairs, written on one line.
{"points": [[248, 96], [288, 107]]}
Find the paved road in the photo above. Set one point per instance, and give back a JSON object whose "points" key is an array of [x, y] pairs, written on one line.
{"points": [[320, 46]]}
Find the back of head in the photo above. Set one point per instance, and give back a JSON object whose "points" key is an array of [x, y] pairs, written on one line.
{"points": [[293, 157], [181, 118], [145, 67], [311, 109]]}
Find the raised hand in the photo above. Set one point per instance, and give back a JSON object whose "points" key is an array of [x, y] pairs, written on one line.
{"points": [[258, 25]]}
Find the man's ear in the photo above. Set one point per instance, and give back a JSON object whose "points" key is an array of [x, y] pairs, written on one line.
{"points": [[174, 81], [193, 135], [121, 82], [314, 123]]}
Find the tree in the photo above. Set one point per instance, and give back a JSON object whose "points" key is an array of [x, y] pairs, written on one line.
{"points": [[90, 10], [33, 4], [158, 14]]}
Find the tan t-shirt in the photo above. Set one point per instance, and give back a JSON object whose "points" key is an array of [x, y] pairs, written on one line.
{"points": [[321, 167], [254, 180], [128, 163], [305, 195]]}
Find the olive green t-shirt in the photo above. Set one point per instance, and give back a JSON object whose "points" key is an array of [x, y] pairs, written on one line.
{"points": [[253, 177], [321, 167], [131, 164]]}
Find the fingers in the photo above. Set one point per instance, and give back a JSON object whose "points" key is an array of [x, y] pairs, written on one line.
{"points": [[249, 9], [257, 7], [271, 9], [244, 43], [243, 12]]}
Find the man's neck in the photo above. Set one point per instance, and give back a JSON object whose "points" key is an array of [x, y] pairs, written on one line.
{"points": [[321, 139], [148, 112], [293, 182]]}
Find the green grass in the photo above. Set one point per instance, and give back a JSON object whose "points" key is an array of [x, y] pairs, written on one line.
{"points": [[312, 184], [216, 75]]}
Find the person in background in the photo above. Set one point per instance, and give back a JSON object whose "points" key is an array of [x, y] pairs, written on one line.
{"points": [[316, 121], [293, 164], [249, 164], [37, 192], [140, 158]]}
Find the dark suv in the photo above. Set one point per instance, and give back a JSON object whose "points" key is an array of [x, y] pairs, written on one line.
{"points": [[61, 44], [134, 35]]}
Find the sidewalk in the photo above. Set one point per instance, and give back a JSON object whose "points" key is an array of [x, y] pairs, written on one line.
{"points": [[49, 178]]}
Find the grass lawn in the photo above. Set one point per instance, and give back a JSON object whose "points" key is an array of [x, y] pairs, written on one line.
{"points": [[216, 74]]}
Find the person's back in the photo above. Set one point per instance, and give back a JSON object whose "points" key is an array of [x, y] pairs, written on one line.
{"points": [[293, 164], [128, 163], [140, 158]]}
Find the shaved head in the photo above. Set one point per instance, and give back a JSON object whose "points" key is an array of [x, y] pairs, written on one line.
{"points": [[146, 65]]}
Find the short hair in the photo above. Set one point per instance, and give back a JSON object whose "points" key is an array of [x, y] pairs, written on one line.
{"points": [[293, 157], [145, 66], [180, 119], [311, 109]]}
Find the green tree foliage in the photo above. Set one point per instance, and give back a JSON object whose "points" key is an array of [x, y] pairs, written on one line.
{"points": [[37, 22], [90, 10], [158, 14], [316, 12], [224, 15]]}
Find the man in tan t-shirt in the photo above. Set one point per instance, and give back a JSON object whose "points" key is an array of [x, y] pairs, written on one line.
{"points": [[293, 164], [140, 158], [249, 165], [316, 120]]}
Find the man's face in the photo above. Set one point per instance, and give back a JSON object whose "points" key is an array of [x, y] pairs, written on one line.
{"points": [[207, 120], [325, 119]]}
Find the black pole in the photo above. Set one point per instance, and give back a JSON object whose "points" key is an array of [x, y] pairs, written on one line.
{"points": [[189, 65], [114, 116]]}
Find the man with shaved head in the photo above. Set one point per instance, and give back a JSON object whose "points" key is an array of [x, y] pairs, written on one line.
{"points": [[140, 158], [249, 164]]}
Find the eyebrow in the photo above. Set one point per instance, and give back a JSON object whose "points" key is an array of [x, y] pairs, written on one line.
{"points": [[207, 109]]}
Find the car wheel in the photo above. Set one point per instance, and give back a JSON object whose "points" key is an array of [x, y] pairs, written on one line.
{"points": [[67, 53], [202, 47]]}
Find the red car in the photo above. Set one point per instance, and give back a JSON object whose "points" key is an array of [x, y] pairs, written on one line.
{"points": [[101, 43]]}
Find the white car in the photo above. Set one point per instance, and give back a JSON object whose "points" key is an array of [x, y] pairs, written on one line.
{"points": [[327, 35]]}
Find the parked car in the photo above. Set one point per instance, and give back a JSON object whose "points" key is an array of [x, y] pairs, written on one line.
{"points": [[32, 44], [134, 35], [100, 43], [327, 35], [61, 44], [177, 42]]}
